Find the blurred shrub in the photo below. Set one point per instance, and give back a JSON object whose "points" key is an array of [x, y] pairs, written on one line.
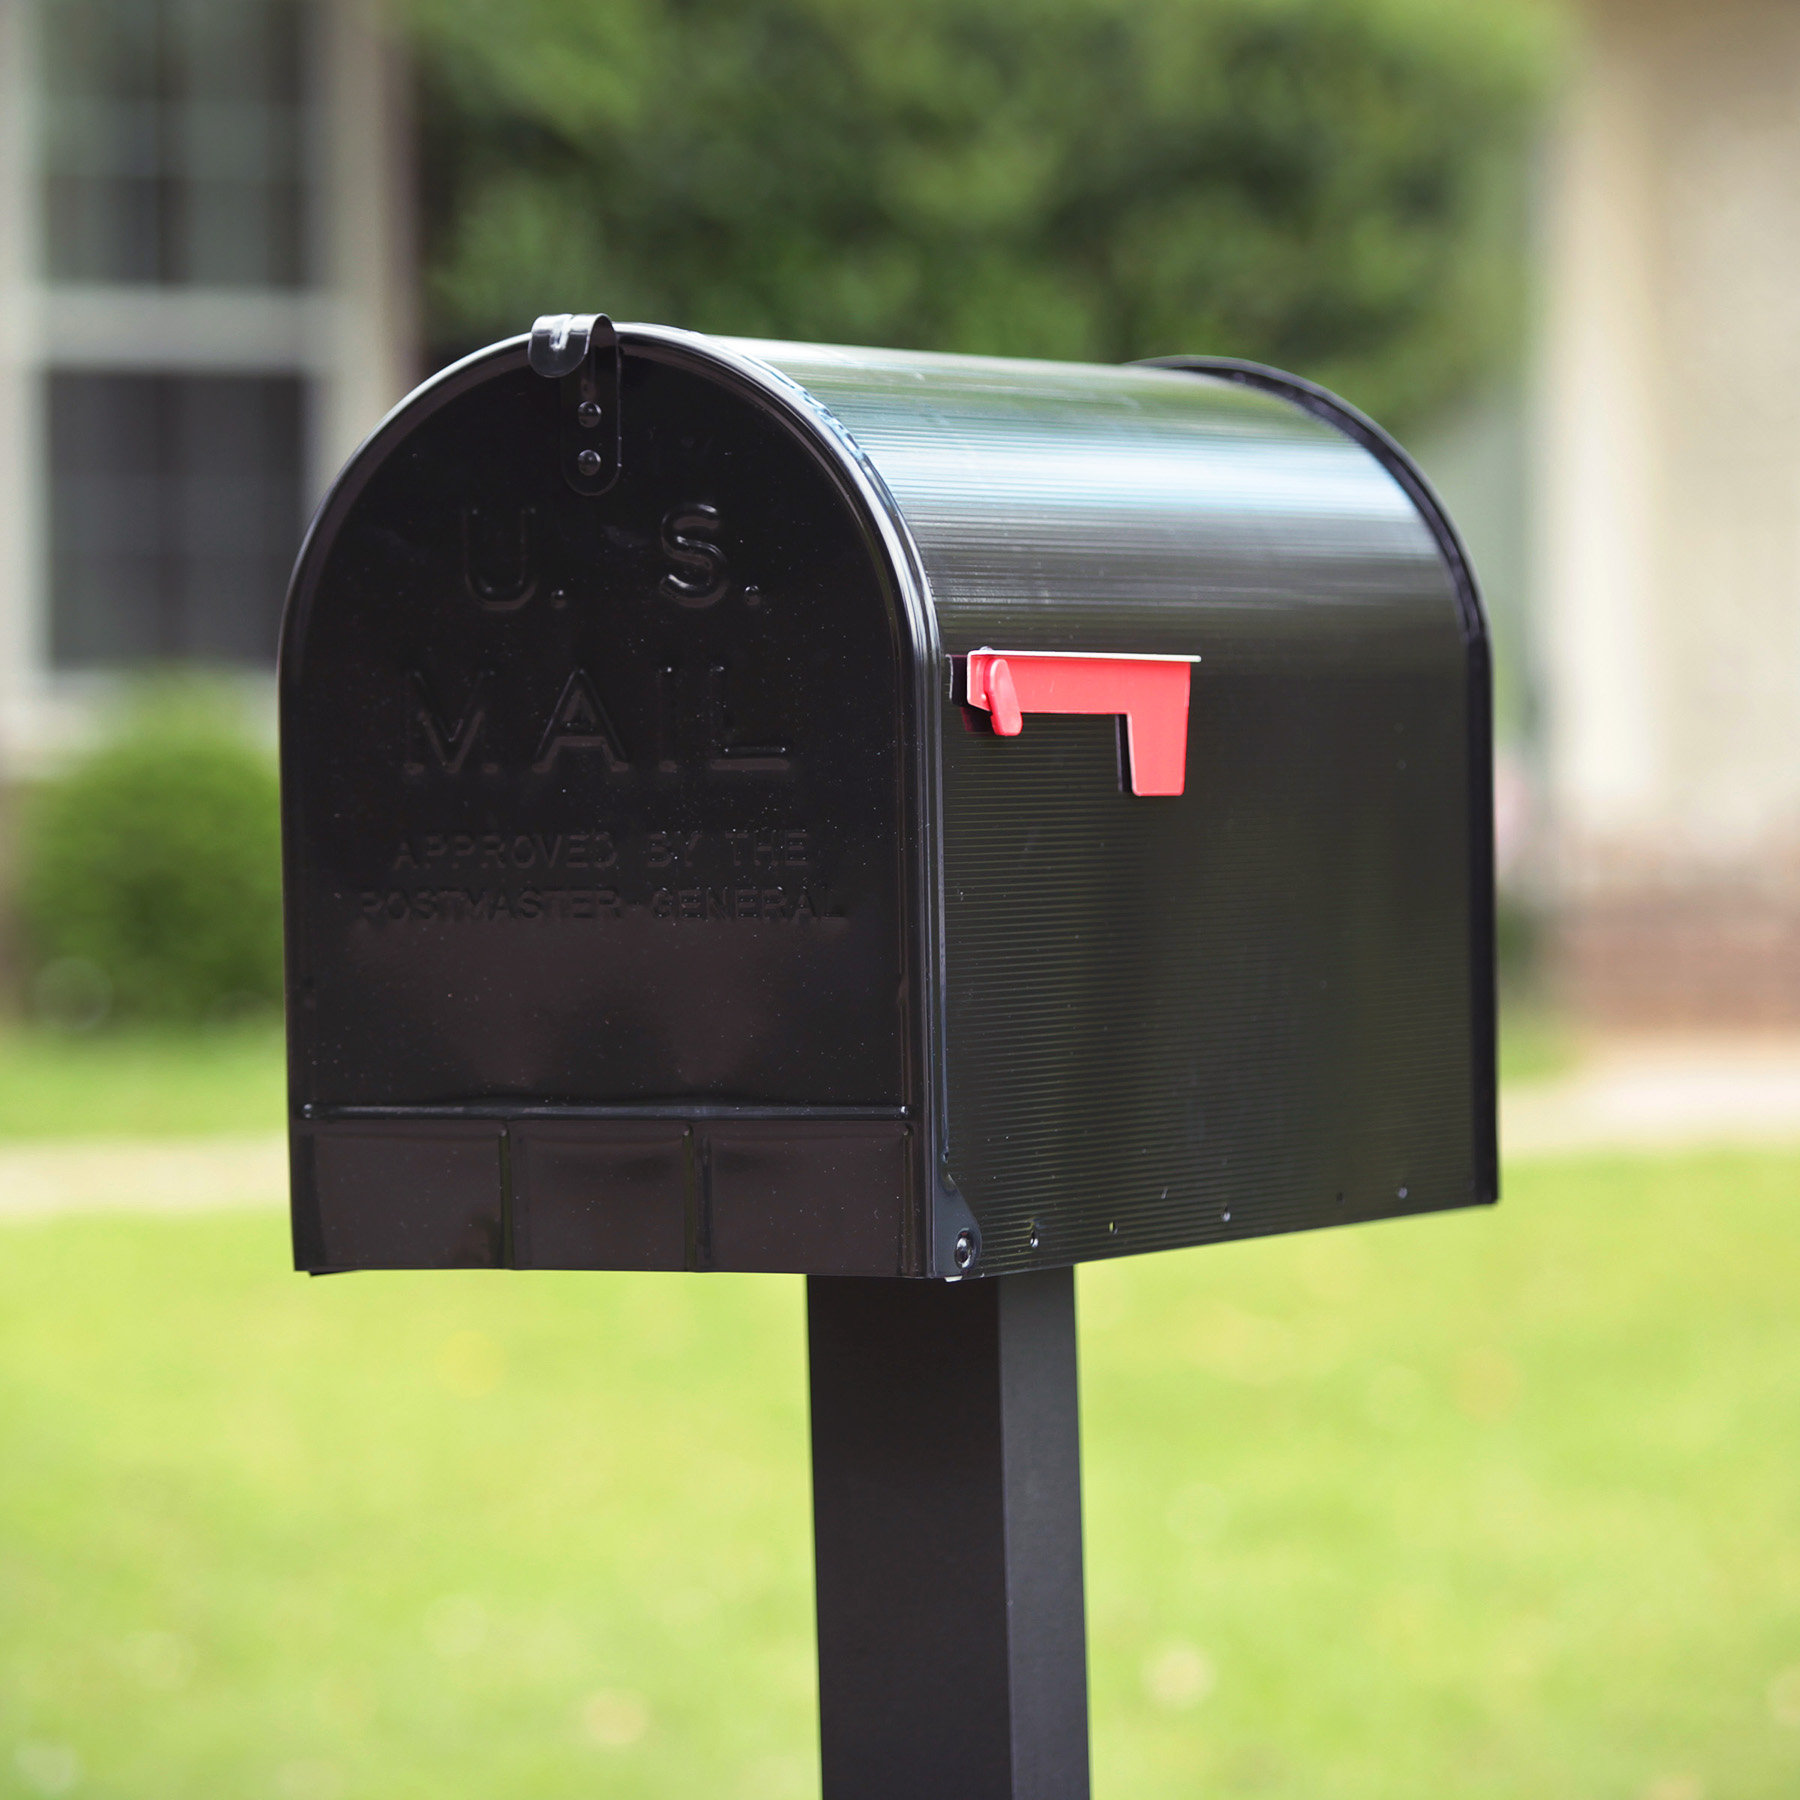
{"points": [[1518, 945], [1335, 186], [150, 879]]}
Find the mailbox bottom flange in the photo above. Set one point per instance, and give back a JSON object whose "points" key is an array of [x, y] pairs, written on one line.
{"points": [[754, 1189]]}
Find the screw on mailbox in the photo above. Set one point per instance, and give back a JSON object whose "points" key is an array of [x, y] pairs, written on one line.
{"points": [[635, 925]]}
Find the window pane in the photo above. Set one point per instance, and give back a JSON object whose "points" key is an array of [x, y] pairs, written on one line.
{"points": [[175, 508], [174, 141], [100, 109]]}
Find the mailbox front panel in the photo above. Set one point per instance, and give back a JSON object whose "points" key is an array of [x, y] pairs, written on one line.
{"points": [[595, 842]]}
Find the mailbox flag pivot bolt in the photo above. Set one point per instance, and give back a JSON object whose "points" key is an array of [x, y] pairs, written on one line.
{"points": [[1003, 699], [1149, 692]]}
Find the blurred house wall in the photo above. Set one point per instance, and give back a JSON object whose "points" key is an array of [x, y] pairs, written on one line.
{"points": [[1478, 458], [206, 299], [1668, 514]]}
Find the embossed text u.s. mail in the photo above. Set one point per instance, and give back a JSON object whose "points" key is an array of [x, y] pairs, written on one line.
{"points": [[479, 730]]}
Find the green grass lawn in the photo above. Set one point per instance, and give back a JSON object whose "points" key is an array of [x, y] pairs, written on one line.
{"points": [[138, 1083], [1492, 1503], [141, 1083], [1535, 1045]]}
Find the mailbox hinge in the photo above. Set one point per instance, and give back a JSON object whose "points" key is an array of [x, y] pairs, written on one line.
{"points": [[581, 351]]}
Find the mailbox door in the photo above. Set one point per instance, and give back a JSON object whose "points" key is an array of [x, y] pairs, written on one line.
{"points": [[597, 905]]}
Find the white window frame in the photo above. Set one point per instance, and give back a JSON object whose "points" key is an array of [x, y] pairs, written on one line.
{"points": [[351, 337]]}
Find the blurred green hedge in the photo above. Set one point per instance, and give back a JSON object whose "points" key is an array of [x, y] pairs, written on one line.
{"points": [[1335, 186], [150, 871]]}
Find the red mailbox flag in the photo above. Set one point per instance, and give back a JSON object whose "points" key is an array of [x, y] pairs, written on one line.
{"points": [[1150, 692]]}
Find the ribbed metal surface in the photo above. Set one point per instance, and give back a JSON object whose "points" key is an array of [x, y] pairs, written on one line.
{"points": [[1249, 1009]]}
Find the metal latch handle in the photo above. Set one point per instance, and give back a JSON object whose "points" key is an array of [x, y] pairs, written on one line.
{"points": [[581, 351]]}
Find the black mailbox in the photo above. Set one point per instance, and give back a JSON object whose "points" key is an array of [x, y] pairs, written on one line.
{"points": [[763, 806], [861, 813]]}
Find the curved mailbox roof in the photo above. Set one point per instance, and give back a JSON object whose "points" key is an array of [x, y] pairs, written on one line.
{"points": [[1054, 499]]}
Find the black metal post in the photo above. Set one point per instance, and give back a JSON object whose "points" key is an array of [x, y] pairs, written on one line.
{"points": [[947, 1534]]}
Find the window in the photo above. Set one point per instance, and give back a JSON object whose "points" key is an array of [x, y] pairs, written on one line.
{"points": [[175, 514], [173, 142], [173, 154]]}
